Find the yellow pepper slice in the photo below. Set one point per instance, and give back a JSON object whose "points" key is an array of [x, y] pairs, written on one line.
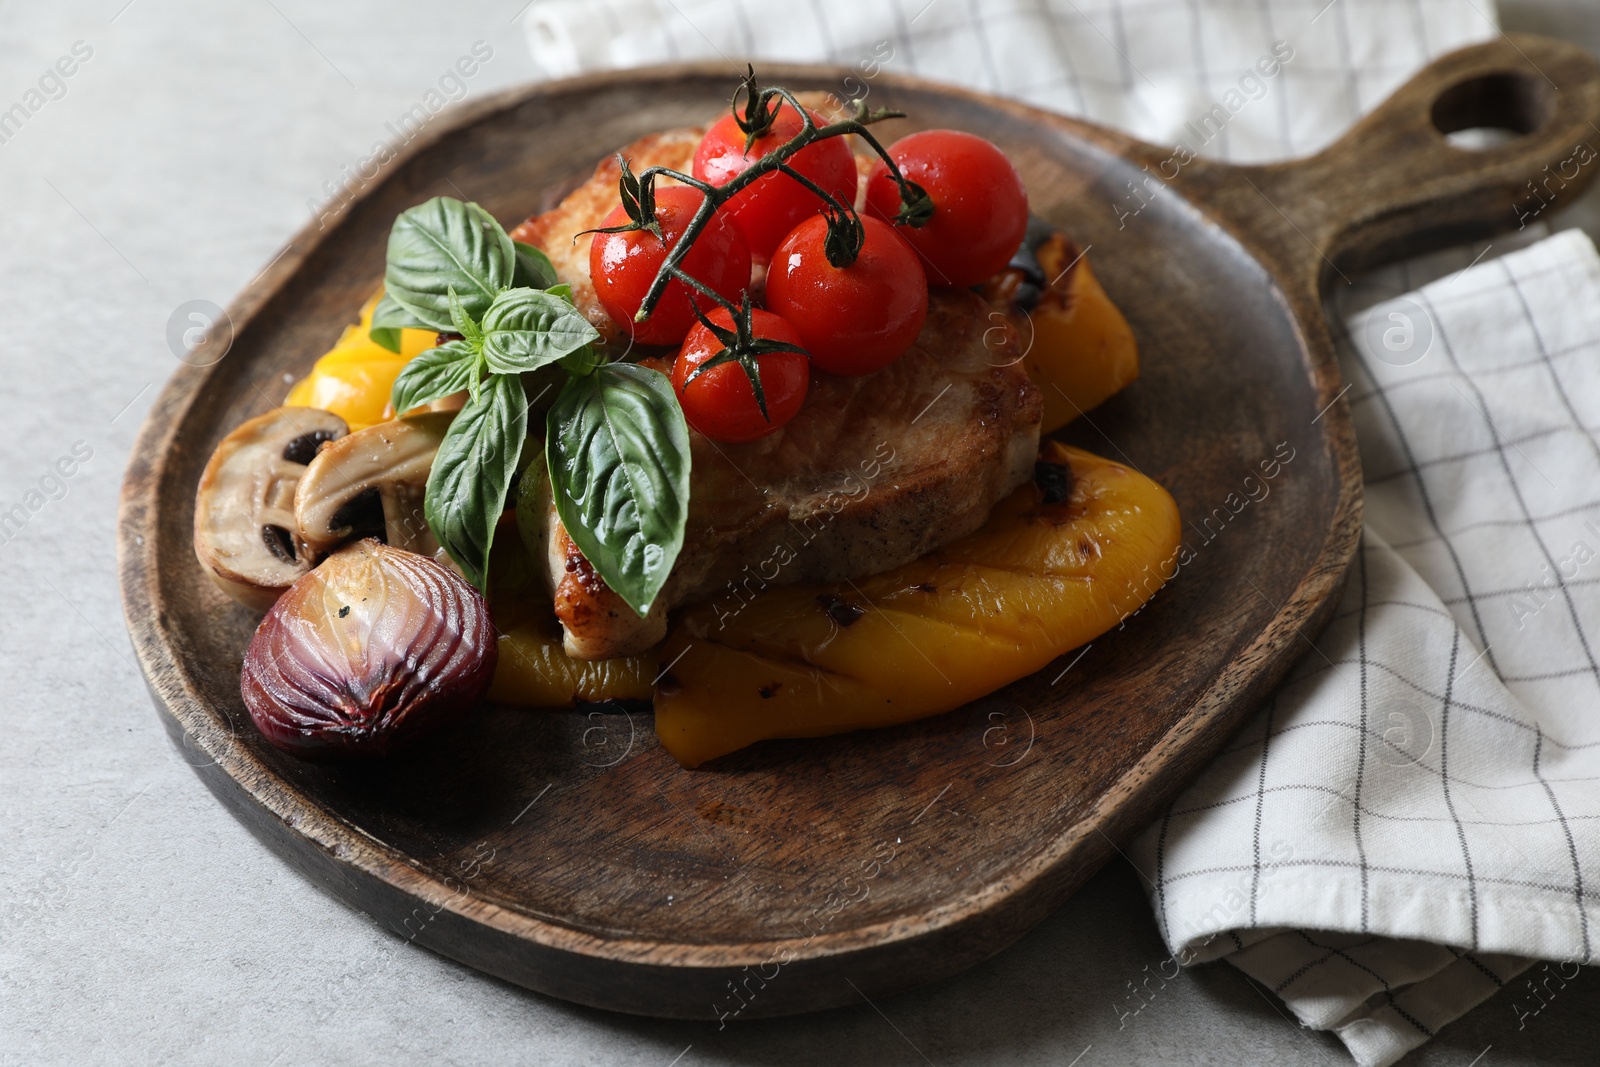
{"points": [[1038, 580], [1079, 349], [534, 669], [354, 379]]}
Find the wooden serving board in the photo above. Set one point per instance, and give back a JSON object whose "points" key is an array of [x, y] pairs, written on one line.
{"points": [[566, 852]]}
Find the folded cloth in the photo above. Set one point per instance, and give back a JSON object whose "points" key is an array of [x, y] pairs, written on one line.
{"points": [[1411, 820], [1413, 814]]}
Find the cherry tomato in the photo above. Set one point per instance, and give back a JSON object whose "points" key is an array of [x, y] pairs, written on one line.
{"points": [[854, 319], [622, 266], [720, 403], [980, 210], [774, 204]]}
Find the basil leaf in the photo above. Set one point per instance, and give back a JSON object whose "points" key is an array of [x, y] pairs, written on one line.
{"points": [[433, 375], [472, 472], [446, 244], [388, 319], [618, 452], [534, 269], [525, 328]]}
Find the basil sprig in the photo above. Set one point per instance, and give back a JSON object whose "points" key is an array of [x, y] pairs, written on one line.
{"points": [[616, 443]]}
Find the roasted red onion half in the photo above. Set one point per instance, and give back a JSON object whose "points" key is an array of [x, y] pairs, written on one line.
{"points": [[371, 650]]}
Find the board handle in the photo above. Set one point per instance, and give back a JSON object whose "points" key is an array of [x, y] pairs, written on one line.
{"points": [[1393, 186]]}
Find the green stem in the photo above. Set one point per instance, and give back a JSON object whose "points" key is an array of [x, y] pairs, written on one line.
{"points": [[773, 161]]}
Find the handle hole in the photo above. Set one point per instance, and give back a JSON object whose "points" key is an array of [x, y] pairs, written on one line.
{"points": [[1492, 109]]}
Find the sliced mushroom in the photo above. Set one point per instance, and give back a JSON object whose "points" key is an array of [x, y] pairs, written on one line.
{"points": [[245, 532], [370, 484]]}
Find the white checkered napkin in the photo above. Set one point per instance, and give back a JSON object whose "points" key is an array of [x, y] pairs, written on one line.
{"points": [[1416, 814], [1151, 67]]}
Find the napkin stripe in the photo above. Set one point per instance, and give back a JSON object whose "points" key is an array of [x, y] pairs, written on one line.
{"points": [[1394, 1006], [1477, 963], [1477, 709], [1304, 969], [746, 31], [1451, 375], [1572, 848], [1548, 676], [1119, 34], [1548, 359], [985, 50], [1390, 603], [1315, 787], [1444, 782], [1476, 453], [1564, 889], [1261, 796], [1419, 24], [1161, 876], [1347, 65], [1285, 125], [1335, 952], [1202, 67], [1069, 70], [1481, 524], [1426, 501], [1577, 583], [1361, 757]]}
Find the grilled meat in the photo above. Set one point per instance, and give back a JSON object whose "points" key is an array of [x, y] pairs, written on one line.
{"points": [[873, 472]]}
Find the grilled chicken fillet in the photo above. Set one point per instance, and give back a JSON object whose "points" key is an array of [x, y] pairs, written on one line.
{"points": [[873, 472]]}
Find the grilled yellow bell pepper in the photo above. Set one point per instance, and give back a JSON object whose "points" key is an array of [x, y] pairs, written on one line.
{"points": [[534, 669], [354, 379], [1036, 581], [1079, 350]]}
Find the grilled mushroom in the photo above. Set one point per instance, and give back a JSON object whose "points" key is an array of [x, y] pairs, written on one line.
{"points": [[370, 484], [245, 532]]}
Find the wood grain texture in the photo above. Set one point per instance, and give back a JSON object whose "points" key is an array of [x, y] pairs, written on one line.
{"points": [[567, 852]]}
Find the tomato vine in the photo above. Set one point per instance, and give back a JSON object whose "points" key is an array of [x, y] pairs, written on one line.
{"points": [[761, 107]]}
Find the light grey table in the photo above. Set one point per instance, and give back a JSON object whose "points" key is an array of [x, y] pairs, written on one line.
{"points": [[141, 923]]}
